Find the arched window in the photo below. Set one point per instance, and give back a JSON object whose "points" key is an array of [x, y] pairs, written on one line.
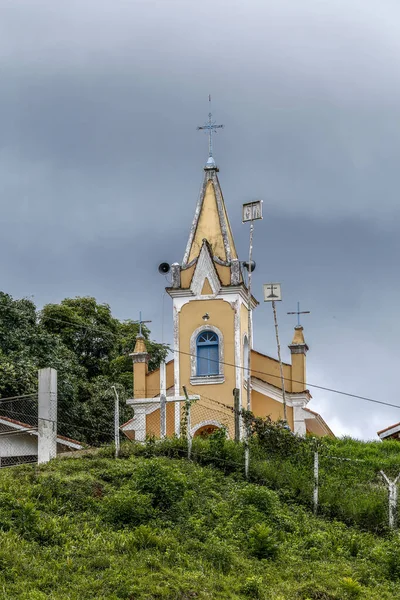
{"points": [[207, 346]]}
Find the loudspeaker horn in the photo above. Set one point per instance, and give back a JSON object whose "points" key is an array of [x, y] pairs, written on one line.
{"points": [[164, 268], [246, 265]]}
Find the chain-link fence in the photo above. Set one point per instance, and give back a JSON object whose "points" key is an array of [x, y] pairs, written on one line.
{"points": [[18, 430]]}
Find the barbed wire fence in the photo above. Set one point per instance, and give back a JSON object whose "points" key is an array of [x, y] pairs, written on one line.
{"points": [[307, 471], [343, 487]]}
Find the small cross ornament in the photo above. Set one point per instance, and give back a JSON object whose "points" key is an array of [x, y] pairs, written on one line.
{"points": [[210, 127], [141, 323], [299, 312]]}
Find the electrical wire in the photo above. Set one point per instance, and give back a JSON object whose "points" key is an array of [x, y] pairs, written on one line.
{"points": [[308, 384]]}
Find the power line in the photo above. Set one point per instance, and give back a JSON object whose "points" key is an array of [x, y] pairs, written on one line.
{"points": [[312, 385]]}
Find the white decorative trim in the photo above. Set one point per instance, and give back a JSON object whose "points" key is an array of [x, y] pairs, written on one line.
{"points": [[299, 417], [238, 370], [195, 220], [193, 353], [224, 292], [207, 379], [205, 269], [266, 389], [245, 362], [205, 424], [176, 367]]}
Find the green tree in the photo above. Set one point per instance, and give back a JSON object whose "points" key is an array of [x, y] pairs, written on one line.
{"points": [[87, 346]]}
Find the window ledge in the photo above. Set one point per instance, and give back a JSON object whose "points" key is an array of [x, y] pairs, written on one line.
{"points": [[207, 379]]}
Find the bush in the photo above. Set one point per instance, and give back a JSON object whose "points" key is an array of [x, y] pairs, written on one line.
{"points": [[164, 485], [262, 542], [352, 589], [128, 507], [219, 554], [252, 587], [262, 498]]}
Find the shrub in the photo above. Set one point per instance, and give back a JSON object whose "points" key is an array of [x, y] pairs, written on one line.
{"points": [[262, 542], [128, 507], [262, 498], [219, 554], [351, 588], [165, 485], [145, 537], [252, 587]]}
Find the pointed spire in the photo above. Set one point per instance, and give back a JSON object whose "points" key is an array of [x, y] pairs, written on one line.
{"points": [[211, 223]]}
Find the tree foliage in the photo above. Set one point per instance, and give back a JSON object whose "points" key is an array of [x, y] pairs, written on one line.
{"points": [[90, 350]]}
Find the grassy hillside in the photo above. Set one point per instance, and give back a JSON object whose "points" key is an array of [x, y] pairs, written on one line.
{"points": [[152, 527]]}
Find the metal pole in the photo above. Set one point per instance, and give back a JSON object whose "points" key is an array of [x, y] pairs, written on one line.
{"points": [[116, 422], [249, 319], [236, 408], [280, 360], [249, 333], [188, 424], [316, 475]]}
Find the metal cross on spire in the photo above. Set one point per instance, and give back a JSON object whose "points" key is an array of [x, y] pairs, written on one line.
{"points": [[141, 323], [299, 312], [210, 127]]}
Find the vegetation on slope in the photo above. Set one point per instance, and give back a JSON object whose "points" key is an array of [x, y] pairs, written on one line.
{"points": [[142, 528], [90, 350]]}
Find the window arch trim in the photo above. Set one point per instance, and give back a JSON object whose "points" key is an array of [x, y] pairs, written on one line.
{"points": [[206, 379]]}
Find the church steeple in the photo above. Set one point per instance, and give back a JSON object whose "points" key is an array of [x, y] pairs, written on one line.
{"points": [[211, 222]]}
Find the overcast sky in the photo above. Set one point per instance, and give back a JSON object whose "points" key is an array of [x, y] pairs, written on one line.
{"points": [[101, 164]]}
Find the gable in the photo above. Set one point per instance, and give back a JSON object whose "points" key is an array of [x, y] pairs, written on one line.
{"points": [[205, 276]]}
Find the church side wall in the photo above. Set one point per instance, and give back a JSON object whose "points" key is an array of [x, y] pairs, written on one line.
{"points": [[267, 369], [263, 406]]}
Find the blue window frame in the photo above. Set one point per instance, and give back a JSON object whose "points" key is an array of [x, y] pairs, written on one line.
{"points": [[207, 346]]}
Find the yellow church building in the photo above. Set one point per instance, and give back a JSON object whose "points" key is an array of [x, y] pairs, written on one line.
{"points": [[211, 341]]}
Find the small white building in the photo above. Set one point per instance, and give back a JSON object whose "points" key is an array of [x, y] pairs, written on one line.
{"points": [[19, 443]]}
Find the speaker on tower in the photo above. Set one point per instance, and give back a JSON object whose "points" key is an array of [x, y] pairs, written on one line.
{"points": [[164, 268]]}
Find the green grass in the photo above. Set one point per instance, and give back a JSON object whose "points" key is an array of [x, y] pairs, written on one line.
{"points": [[159, 527]]}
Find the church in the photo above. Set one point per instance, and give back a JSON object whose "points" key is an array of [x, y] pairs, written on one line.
{"points": [[211, 342]]}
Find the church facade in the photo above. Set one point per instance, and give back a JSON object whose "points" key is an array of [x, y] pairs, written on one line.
{"points": [[211, 341]]}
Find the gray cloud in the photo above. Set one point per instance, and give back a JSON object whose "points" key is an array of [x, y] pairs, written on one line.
{"points": [[100, 164]]}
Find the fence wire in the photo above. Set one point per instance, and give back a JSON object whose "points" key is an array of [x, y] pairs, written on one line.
{"points": [[18, 431]]}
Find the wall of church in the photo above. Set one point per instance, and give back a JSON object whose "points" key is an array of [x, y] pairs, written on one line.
{"points": [[266, 407], [153, 421], [221, 316], [266, 368], [153, 380]]}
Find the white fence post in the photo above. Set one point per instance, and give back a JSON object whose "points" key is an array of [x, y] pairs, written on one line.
{"points": [[392, 488], [316, 476], [47, 416]]}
